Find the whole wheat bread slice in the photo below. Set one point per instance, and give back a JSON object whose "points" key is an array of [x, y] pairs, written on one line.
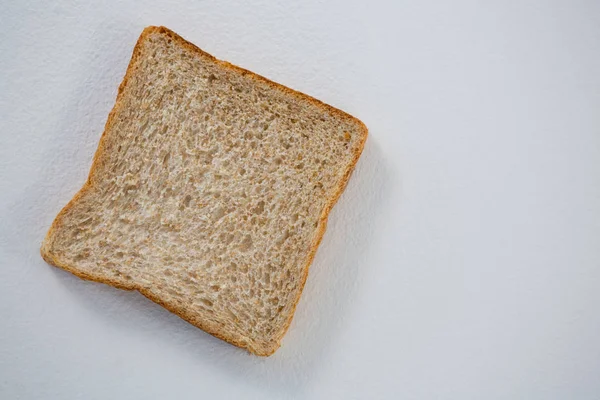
{"points": [[209, 192]]}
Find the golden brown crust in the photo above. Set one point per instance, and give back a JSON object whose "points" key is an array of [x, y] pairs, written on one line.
{"points": [[268, 348]]}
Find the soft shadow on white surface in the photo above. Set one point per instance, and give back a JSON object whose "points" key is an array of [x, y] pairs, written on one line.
{"points": [[333, 282], [335, 277]]}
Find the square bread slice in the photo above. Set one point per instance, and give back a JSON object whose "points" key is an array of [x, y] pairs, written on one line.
{"points": [[209, 192]]}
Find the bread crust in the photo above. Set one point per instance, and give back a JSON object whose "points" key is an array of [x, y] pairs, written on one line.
{"points": [[265, 349]]}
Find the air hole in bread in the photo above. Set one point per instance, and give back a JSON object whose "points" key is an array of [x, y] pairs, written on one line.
{"points": [[246, 243], [207, 302]]}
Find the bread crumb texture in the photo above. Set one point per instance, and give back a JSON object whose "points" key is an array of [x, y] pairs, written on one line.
{"points": [[209, 192]]}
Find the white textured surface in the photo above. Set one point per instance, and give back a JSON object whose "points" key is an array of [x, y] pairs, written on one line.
{"points": [[463, 261]]}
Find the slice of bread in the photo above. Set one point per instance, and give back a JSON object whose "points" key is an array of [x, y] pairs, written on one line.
{"points": [[209, 192]]}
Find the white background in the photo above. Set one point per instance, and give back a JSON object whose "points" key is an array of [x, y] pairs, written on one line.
{"points": [[462, 262]]}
